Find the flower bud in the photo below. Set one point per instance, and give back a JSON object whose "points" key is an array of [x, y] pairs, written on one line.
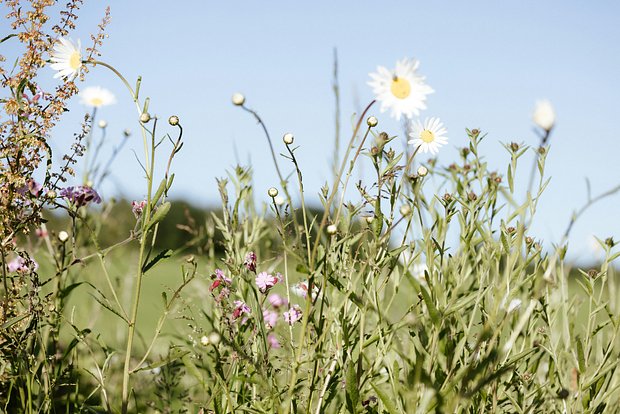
{"points": [[544, 115], [288, 138], [102, 124], [422, 171], [145, 117], [332, 229], [272, 192], [214, 338], [51, 194], [279, 200], [173, 120], [238, 99], [372, 121], [405, 210], [369, 219], [63, 236]]}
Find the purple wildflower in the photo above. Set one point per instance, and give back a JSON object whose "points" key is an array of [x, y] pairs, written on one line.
{"points": [[293, 315], [265, 281], [250, 261], [80, 195]]}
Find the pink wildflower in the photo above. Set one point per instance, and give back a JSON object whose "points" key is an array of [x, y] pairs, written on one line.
{"points": [[21, 265], [41, 233], [270, 317], [250, 261], [219, 279], [273, 342], [137, 207], [265, 281], [293, 315], [276, 300], [301, 289], [240, 309]]}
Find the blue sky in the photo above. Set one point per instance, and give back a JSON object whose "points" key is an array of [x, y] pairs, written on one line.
{"points": [[488, 62]]}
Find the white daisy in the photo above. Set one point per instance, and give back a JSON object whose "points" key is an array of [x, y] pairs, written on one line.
{"points": [[544, 115], [66, 58], [401, 90], [428, 136], [96, 96]]}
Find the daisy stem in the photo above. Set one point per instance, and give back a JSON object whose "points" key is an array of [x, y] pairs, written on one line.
{"points": [[337, 180]]}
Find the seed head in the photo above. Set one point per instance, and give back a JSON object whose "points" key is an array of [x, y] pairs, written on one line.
{"points": [[272, 192], [514, 146], [288, 138], [173, 120], [145, 117], [238, 99], [372, 121], [102, 124], [63, 236]]}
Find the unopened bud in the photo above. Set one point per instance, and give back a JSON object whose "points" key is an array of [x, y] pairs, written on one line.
{"points": [[102, 124], [272, 192], [238, 99], [173, 120], [63, 236], [288, 138], [332, 229], [145, 117], [405, 209], [372, 121], [422, 171]]}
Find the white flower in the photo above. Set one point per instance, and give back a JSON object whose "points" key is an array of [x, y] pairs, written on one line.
{"points": [[544, 115], [428, 136], [66, 58], [401, 90], [96, 96]]}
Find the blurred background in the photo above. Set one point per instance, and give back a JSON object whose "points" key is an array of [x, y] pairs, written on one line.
{"points": [[489, 62]]}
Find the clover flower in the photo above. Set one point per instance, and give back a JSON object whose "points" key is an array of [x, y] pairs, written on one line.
{"points": [[66, 59], [428, 136], [96, 96], [401, 90], [80, 195], [265, 281], [293, 315]]}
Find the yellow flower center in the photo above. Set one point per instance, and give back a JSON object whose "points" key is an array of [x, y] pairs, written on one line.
{"points": [[75, 60], [427, 136], [401, 88], [96, 101]]}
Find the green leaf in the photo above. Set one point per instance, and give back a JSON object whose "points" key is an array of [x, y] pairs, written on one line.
{"points": [[352, 388], [388, 403], [159, 214], [581, 360], [164, 254], [158, 193], [66, 291]]}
